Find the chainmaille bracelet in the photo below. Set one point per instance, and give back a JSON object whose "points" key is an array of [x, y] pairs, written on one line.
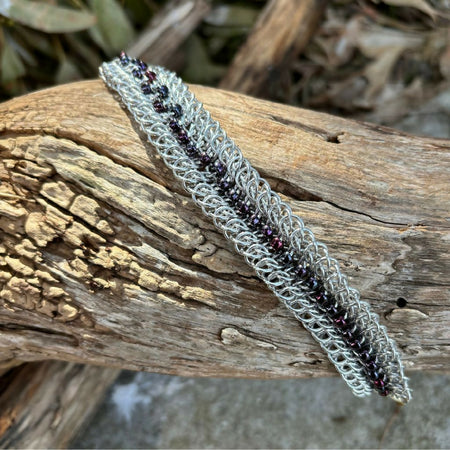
{"points": [[263, 229]]}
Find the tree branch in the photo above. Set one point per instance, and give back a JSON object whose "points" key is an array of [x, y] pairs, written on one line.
{"points": [[280, 34]]}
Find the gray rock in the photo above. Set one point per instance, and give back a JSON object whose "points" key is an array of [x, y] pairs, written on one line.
{"points": [[158, 411]]}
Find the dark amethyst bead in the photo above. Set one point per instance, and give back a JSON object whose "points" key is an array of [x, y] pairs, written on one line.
{"points": [[365, 356], [146, 89], [348, 335], [159, 106], [277, 244], [364, 346], [163, 91], [340, 321], [150, 75], [326, 300], [225, 184], [142, 65], [182, 137], [355, 344], [174, 126], [267, 231], [255, 221], [191, 149], [376, 375], [137, 73], [322, 298], [332, 310], [371, 365], [379, 384], [124, 60], [383, 392], [177, 110], [243, 207], [205, 159], [313, 283], [234, 195], [302, 272], [219, 168], [288, 258]]}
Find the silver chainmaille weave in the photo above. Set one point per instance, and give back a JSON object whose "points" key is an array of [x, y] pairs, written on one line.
{"points": [[207, 134]]}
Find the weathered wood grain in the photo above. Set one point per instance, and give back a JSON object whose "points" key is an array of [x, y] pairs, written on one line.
{"points": [[104, 260], [42, 404], [280, 34]]}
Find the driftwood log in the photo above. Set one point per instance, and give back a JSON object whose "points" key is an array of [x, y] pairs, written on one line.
{"points": [[104, 260]]}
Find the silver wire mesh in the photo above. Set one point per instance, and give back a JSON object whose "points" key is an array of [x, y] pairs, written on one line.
{"points": [[208, 134]]}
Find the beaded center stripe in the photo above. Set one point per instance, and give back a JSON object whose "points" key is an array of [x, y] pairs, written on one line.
{"points": [[274, 241]]}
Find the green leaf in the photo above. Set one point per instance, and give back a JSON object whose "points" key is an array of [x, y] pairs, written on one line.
{"points": [[199, 68], [46, 17], [67, 72], [36, 40], [236, 16], [114, 31], [140, 12], [11, 65], [87, 53]]}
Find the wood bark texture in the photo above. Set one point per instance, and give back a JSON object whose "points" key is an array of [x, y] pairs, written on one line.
{"points": [[280, 34], [105, 260], [43, 404]]}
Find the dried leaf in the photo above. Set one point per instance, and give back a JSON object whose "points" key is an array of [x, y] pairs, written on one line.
{"points": [[378, 72], [343, 94], [444, 62], [395, 103], [421, 5], [344, 46], [46, 17], [430, 117], [374, 40], [11, 65], [114, 27]]}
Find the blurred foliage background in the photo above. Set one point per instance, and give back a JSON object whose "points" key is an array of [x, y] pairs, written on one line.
{"points": [[385, 61], [376, 60]]}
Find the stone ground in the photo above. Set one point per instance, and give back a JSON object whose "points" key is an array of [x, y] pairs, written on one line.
{"points": [[158, 411], [145, 410]]}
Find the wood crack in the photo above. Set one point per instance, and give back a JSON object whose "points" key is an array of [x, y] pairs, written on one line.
{"points": [[325, 135]]}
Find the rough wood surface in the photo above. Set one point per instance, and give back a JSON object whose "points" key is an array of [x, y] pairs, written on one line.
{"points": [[104, 260], [280, 34], [158, 43], [42, 404]]}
